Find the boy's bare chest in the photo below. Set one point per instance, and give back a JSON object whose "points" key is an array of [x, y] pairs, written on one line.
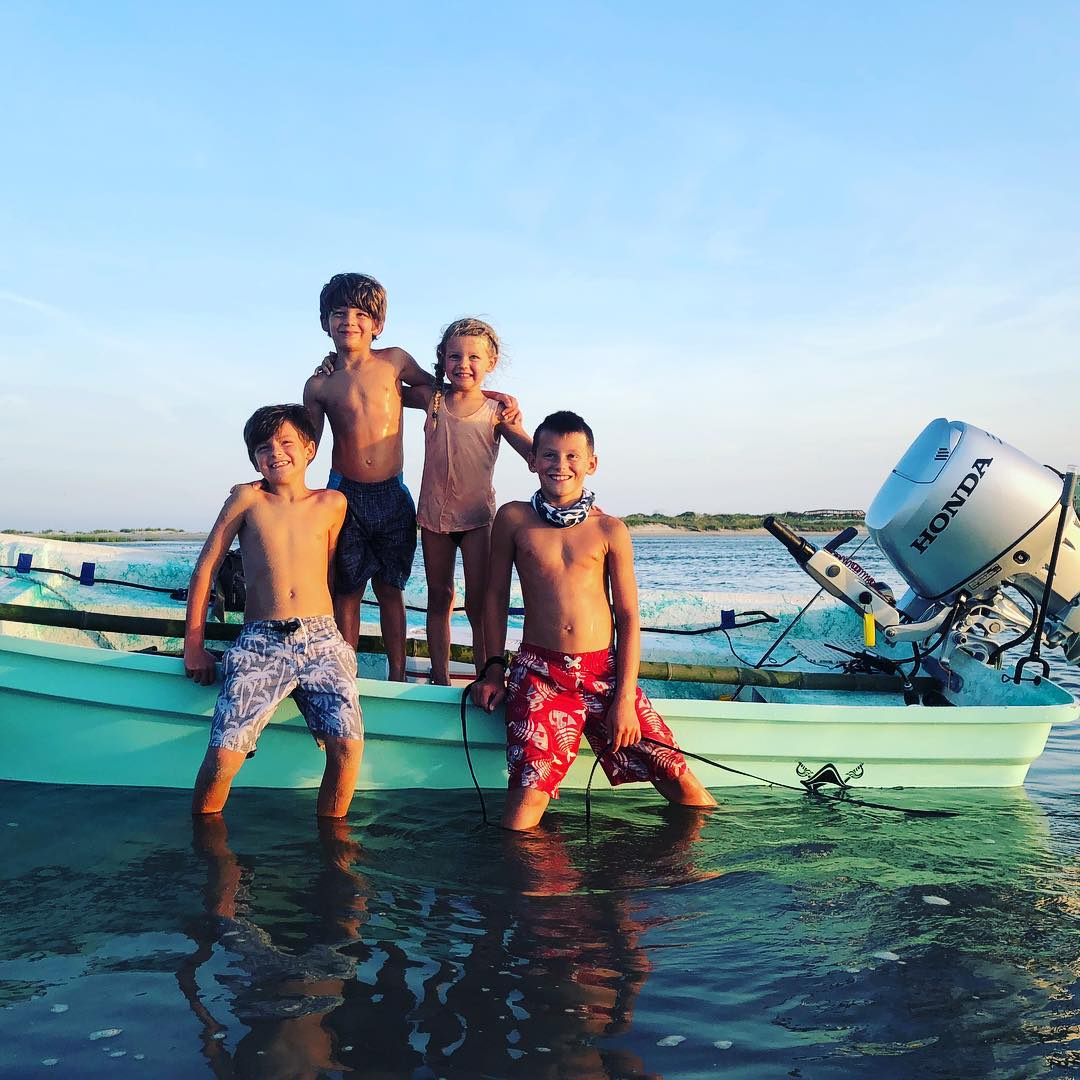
{"points": [[373, 390], [580, 550], [275, 530]]}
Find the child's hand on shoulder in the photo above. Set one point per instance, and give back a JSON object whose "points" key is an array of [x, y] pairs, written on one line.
{"points": [[510, 413], [328, 365], [624, 727]]}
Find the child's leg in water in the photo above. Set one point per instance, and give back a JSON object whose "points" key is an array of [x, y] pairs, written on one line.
{"points": [[440, 557], [475, 554]]}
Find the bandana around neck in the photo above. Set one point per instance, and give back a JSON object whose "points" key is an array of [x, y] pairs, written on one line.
{"points": [[563, 517]]}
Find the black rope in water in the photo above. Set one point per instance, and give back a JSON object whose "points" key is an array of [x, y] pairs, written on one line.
{"points": [[910, 811], [490, 662], [465, 743]]}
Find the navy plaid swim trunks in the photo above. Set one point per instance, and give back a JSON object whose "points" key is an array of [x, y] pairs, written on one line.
{"points": [[378, 538], [273, 658]]}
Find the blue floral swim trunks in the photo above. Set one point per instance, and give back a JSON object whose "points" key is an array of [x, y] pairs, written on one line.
{"points": [[271, 659]]}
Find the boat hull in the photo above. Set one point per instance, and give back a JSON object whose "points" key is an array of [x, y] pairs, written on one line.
{"points": [[76, 715]]}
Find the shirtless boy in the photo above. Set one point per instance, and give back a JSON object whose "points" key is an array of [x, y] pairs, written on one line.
{"points": [[289, 642], [362, 400], [577, 667]]}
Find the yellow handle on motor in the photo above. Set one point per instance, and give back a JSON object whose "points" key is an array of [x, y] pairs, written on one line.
{"points": [[869, 630]]}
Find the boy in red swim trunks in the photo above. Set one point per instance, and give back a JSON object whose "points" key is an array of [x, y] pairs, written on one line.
{"points": [[568, 676]]}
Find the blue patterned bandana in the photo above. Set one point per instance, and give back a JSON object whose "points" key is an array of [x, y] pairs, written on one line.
{"points": [[562, 517]]}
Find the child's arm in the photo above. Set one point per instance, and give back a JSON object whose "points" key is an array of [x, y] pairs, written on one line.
{"points": [[417, 397], [489, 692], [340, 507], [514, 433], [198, 663], [313, 403], [412, 374], [624, 728]]}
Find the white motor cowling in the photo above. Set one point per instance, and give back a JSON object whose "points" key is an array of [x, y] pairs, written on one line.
{"points": [[964, 512]]}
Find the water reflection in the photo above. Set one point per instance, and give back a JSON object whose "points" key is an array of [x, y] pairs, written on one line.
{"points": [[282, 995], [548, 963], [409, 941]]}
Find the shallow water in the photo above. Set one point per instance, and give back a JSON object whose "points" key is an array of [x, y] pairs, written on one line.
{"points": [[773, 937]]}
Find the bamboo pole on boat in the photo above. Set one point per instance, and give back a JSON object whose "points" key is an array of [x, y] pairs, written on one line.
{"points": [[694, 673], [784, 679]]}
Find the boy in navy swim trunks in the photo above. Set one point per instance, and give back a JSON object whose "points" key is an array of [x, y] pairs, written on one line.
{"points": [[577, 667], [358, 389], [362, 400], [289, 642]]}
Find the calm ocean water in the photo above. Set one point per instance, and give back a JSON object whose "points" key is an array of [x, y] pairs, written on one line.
{"points": [[774, 937]]}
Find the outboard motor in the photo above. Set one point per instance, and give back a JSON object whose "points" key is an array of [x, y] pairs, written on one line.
{"points": [[964, 517], [964, 512]]}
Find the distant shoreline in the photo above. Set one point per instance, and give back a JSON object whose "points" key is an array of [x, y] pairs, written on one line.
{"points": [[179, 536], [668, 530], [117, 536]]}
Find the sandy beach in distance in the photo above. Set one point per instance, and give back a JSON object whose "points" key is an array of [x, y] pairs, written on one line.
{"points": [[158, 536], [667, 530]]}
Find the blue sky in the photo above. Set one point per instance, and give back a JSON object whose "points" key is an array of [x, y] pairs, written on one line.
{"points": [[757, 246]]}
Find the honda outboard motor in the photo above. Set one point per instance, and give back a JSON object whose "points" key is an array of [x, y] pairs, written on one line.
{"points": [[964, 512], [986, 538]]}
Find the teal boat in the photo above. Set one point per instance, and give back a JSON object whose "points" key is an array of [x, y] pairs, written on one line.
{"points": [[73, 714], [946, 687]]}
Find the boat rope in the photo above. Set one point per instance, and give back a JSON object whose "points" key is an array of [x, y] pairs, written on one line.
{"points": [[791, 625], [841, 798], [88, 577], [727, 622], [1068, 495], [761, 663], [464, 741], [998, 650], [97, 580], [180, 593], [864, 662]]}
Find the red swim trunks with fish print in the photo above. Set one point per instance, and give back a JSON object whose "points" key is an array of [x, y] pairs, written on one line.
{"points": [[552, 697]]}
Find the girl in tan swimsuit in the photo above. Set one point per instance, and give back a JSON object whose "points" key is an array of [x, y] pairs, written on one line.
{"points": [[462, 435]]}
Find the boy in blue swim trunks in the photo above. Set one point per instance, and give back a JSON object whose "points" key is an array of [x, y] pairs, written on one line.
{"points": [[361, 397], [289, 643], [359, 390]]}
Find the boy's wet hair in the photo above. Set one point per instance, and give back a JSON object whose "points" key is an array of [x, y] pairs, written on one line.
{"points": [[565, 422], [467, 327], [352, 290], [265, 423]]}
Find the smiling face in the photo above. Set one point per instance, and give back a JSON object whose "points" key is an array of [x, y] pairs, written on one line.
{"points": [[468, 360], [352, 328], [562, 462], [284, 456]]}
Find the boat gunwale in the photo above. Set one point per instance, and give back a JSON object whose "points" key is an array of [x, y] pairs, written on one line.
{"points": [[700, 709]]}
